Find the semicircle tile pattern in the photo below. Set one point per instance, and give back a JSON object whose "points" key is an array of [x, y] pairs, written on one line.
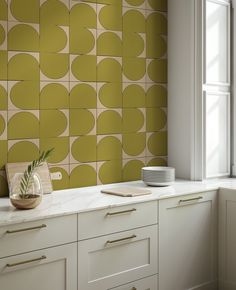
{"points": [[87, 78]]}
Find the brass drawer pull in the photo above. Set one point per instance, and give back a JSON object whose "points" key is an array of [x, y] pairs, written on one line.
{"points": [[26, 262], [121, 240], [121, 212], [26, 229], [133, 288], [191, 199]]}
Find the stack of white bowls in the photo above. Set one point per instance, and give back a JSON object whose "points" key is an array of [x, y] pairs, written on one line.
{"points": [[158, 175]]}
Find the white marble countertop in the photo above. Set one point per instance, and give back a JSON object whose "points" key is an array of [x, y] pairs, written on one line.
{"points": [[70, 201]]}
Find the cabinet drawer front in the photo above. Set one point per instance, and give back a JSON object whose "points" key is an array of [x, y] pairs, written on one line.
{"points": [[30, 236], [149, 283], [190, 199], [117, 259], [107, 221], [47, 269]]}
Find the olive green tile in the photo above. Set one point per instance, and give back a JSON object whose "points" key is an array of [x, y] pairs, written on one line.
{"points": [[157, 162], [134, 96], [133, 44], [83, 149], [132, 170], [23, 37], [54, 65], [134, 69], [3, 125], [108, 148], [156, 46], [156, 96], [54, 12], [109, 44], [134, 144], [83, 15], [82, 122], [157, 143], [110, 2], [109, 122], [84, 96], [53, 123], [133, 120], [3, 153], [109, 70], [110, 171], [134, 20], [156, 23], [82, 40], [54, 96], [61, 149], [155, 119], [3, 34], [23, 66], [22, 151], [23, 125], [52, 38], [25, 10], [64, 182], [110, 95], [110, 17], [3, 96], [82, 18], [134, 3], [4, 191], [157, 70], [83, 175], [3, 65], [3, 10], [25, 95], [83, 68], [159, 5]]}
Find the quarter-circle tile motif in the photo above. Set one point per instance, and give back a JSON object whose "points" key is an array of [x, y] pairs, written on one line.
{"points": [[83, 175], [23, 66], [109, 122], [25, 11], [23, 37], [23, 151], [23, 125]]}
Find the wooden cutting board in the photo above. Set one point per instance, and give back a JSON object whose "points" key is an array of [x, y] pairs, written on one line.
{"points": [[126, 191]]}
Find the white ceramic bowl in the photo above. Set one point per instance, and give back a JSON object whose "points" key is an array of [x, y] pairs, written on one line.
{"points": [[158, 175]]}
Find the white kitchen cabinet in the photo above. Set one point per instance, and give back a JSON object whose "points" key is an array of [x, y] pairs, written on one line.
{"points": [[188, 242], [109, 261], [227, 239], [149, 283], [48, 269]]}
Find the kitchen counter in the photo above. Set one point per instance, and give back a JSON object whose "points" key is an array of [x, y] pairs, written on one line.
{"points": [[70, 201]]}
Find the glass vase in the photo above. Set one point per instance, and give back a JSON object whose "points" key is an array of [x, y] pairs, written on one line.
{"points": [[28, 198]]}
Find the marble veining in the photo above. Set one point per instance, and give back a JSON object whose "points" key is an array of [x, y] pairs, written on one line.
{"points": [[70, 201]]}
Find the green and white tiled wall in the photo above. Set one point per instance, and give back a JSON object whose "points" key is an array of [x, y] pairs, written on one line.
{"points": [[87, 78]]}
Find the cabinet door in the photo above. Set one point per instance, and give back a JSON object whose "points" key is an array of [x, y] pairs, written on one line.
{"points": [[112, 260], [48, 269], [227, 239], [188, 242], [149, 283]]}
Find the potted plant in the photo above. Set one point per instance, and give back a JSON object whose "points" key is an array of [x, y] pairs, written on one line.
{"points": [[26, 189]]}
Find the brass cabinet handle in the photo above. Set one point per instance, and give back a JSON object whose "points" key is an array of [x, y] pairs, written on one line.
{"points": [[26, 262], [191, 199], [121, 240], [26, 229], [121, 212]]}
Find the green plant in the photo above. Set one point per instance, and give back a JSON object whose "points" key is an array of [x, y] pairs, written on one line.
{"points": [[28, 173]]}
